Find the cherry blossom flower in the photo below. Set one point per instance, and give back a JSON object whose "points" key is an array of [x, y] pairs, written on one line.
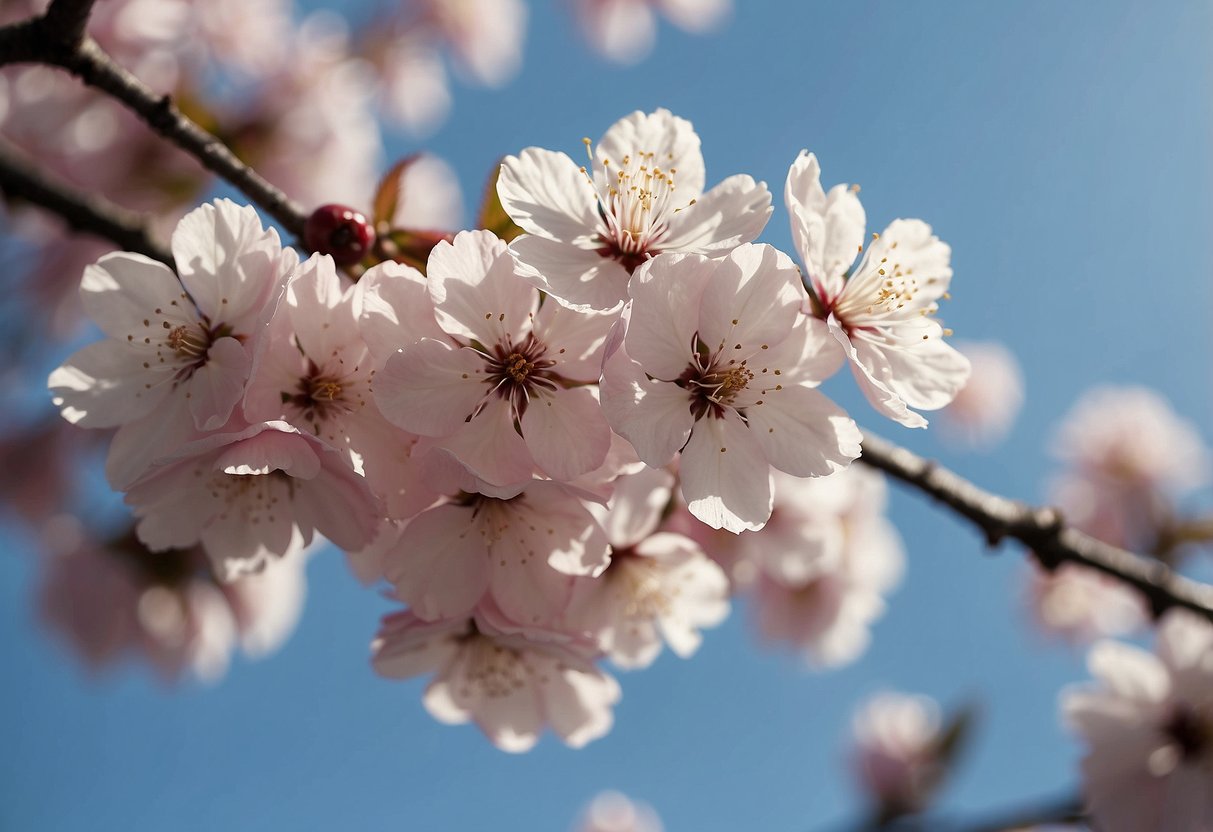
{"points": [[178, 352], [1081, 605], [614, 812], [659, 585], [726, 376], [625, 30], [897, 751], [252, 495], [880, 308], [825, 562], [486, 36], [511, 683], [984, 409], [506, 385], [429, 196], [587, 232], [1147, 722], [522, 551], [108, 601]]}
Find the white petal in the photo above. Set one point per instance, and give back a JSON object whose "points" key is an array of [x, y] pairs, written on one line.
{"points": [[548, 195], [804, 433], [827, 230], [667, 293], [215, 387], [476, 290], [672, 141], [725, 476], [732, 213], [622, 31], [566, 432], [577, 276], [129, 295], [489, 446], [395, 309], [103, 385], [654, 416], [755, 299], [430, 387], [440, 565]]}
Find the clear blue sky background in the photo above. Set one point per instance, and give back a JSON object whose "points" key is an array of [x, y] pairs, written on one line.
{"points": [[1061, 148]]}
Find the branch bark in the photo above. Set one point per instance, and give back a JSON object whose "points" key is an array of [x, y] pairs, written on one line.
{"points": [[49, 39], [83, 212], [1042, 530]]}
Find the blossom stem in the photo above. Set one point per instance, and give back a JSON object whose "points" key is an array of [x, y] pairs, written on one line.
{"points": [[57, 38], [90, 213], [1042, 530]]}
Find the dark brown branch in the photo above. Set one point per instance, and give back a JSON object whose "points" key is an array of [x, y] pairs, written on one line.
{"points": [[1042, 530], [1069, 810], [45, 40], [20, 181]]}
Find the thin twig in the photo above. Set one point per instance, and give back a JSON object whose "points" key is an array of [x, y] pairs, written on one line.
{"points": [[43, 40], [1042, 530], [81, 211]]}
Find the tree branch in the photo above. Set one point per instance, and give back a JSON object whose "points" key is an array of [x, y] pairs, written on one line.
{"points": [[48, 39], [83, 212], [1042, 530]]}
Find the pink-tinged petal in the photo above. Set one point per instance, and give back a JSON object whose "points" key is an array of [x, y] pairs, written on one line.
{"points": [[732, 213], [807, 356], [339, 505], [171, 513], [878, 394], [1129, 672], [395, 309], [672, 141], [128, 294], [489, 446], [406, 647], [696, 15], [637, 505], [564, 530], [914, 250], [430, 387], [577, 276], [827, 229], [575, 340], [566, 432], [926, 375], [228, 262], [654, 416], [726, 480], [804, 433], [477, 291], [755, 299], [526, 588], [548, 195], [624, 32], [237, 548], [578, 701], [666, 295], [103, 385], [440, 566], [269, 451], [510, 716], [321, 309], [138, 444], [215, 387]]}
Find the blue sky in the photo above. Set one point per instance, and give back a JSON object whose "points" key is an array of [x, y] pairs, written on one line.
{"points": [[1062, 149]]}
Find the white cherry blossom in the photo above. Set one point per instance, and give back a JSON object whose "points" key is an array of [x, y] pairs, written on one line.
{"points": [[512, 684], [726, 376], [896, 753], [984, 410], [178, 351], [504, 385], [1081, 605], [587, 231], [659, 586], [879, 309], [625, 30], [614, 812], [1147, 722], [252, 495]]}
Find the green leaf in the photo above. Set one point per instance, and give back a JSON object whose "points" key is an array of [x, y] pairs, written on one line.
{"points": [[492, 216]]}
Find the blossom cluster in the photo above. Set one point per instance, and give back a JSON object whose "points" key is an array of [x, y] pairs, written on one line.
{"points": [[539, 445]]}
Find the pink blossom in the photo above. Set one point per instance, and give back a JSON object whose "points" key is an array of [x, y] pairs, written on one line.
{"points": [[983, 411], [824, 563], [1081, 605], [252, 495], [506, 385], [897, 753], [587, 232], [726, 376], [429, 197], [522, 551], [178, 351], [109, 601], [510, 683], [1147, 723], [486, 36], [625, 30], [615, 812], [879, 309], [658, 586]]}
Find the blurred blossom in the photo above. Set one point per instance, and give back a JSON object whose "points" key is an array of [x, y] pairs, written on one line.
{"points": [[897, 753], [251, 38], [625, 31], [430, 197], [614, 812], [485, 36], [1147, 723], [984, 410], [1082, 605], [108, 600], [415, 90], [824, 563]]}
